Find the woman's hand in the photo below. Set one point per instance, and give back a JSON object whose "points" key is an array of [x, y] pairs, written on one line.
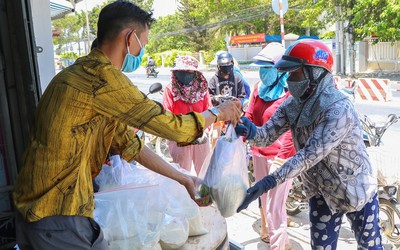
{"points": [[246, 128]]}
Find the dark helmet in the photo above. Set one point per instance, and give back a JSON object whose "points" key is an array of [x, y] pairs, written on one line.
{"points": [[224, 58]]}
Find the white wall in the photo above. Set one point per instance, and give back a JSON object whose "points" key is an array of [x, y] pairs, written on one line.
{"points": [[43, 38]]}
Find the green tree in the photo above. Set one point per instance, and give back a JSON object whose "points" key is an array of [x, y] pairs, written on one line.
{"points": [[203, 25], [95, 12], [161, 43], [69, 28]]}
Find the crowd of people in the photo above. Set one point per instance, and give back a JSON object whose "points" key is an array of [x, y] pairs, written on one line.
{"points": [[296, 122]]}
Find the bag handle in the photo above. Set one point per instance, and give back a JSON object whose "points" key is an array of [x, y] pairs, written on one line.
{"points": [[230, 132]]}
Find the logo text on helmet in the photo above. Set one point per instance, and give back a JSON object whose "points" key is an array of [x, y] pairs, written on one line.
{"points": [[321, 55]]}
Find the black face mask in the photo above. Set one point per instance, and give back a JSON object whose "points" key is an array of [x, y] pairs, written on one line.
{"points": [[185, 77], [226, 69]]}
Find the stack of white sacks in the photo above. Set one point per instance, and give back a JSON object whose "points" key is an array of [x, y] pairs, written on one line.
{"points": [[139, 209]]}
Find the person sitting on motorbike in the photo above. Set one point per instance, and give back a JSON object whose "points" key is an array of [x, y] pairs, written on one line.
{"points": [[331, 156], [267, 95], [236, 70], [225, 82], [187, 92], [151, 62]]}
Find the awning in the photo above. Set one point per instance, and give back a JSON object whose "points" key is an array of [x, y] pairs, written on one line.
{"points": [[59, 8]]}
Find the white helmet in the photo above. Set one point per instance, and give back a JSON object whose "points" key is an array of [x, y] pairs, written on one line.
{"points": [[270, 55]]}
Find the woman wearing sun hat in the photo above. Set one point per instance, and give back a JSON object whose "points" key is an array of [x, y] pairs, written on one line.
{"points": [[188, 92]]}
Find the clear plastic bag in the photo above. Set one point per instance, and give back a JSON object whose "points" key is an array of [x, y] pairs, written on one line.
{"points": [[224, 171], [127, 221], [174, 232], [178, 204], [115, 174], [130, 223]]}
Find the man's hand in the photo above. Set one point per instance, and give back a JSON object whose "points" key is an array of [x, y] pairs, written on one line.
{"points": [[189, 183], [257, 190], [230, 111], [246, 128]]}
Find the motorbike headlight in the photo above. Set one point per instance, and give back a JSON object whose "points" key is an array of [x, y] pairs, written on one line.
{"points": [[390, 190]]}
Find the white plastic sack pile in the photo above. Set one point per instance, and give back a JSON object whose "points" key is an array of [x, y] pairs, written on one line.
{"points": [[127, 221], [127, 226]]}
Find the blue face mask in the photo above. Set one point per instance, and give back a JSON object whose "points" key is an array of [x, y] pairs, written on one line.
{"points": [[268, 75], [131, 62], [267, 90]]}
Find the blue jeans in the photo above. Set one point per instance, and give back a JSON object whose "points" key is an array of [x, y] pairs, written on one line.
{"points": [[325, 226]]}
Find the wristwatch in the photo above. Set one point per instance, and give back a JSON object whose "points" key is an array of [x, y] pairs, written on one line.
{"points": [[215, 112]]}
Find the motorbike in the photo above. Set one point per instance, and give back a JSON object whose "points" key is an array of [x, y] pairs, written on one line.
{"points": [[151, 71], [388, 183]]}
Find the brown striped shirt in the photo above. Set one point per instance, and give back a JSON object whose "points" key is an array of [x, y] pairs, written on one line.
{"points": [[86, 109]]}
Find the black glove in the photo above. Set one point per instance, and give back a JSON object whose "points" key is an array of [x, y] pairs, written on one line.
{"points": [[246, 129], [257, 190]]}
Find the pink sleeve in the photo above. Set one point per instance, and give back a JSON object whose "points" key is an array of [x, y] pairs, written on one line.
{"points": [[287, 149]]}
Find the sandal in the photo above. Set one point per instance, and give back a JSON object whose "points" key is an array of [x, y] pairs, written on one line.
{"points": [[265, 238], [264, 235], [292, 223]]}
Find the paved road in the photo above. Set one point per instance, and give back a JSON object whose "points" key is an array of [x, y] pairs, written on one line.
{"points": [[243, 228]]}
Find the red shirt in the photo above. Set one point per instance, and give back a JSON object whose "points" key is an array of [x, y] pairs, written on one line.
{"points": [[180, 107], [259, 112]]}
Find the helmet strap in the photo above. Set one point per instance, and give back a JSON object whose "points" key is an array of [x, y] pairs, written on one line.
{"points": [[313, 82], [278, 78]]}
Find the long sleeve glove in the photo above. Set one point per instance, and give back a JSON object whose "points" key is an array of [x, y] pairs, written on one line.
{"points": [[247, 129], [257, 190]]}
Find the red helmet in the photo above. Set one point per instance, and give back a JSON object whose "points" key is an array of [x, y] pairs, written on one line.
{"points": [[306, 52]]}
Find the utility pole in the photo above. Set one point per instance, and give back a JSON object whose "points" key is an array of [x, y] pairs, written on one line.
{"points": [[337, 44], [282, 22], [340, 43], [87, 47], [350, 39]]}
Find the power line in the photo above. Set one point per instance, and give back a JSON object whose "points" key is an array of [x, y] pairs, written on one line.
{"points": [[237, 13], [243, 17]]}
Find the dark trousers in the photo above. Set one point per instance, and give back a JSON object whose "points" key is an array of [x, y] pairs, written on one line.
{"points": [[59, 232], [325, 226]]}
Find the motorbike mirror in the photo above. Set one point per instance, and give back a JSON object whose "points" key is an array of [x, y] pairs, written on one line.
{"points": [[392, 118], [155, 87]]}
